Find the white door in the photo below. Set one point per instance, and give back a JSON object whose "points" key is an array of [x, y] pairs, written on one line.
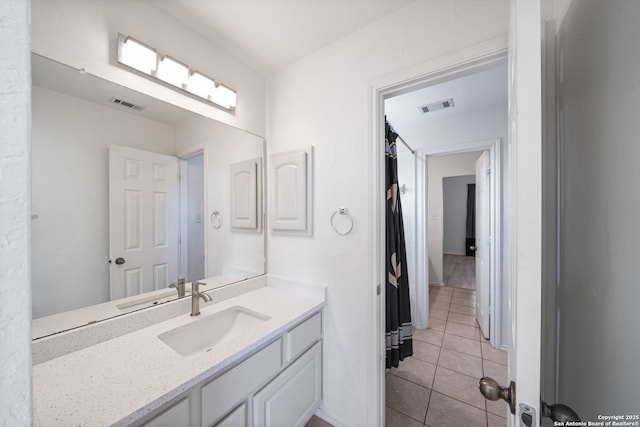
{"points": [[143, 220], [483, 241], [525, 200]]}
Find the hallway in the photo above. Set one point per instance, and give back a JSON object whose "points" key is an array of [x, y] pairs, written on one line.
{"points": [[438, 385]]}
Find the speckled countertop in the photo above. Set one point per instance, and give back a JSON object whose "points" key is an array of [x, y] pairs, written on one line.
{"points": [[117, 382], [47, 325]]}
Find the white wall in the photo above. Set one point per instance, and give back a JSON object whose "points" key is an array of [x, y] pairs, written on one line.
{"points": [[227, 250], [70, 195], [83, 34], [454, 213], [15, 299], [598, 296], [439, 167], [324, 100]]}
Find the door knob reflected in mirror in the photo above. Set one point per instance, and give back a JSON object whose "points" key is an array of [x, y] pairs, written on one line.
{"points": [[473, 248], [119, 261], [558, 412], [491, 390]]}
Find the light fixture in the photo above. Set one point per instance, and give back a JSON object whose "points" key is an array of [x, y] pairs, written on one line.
{"points": [[136, 54], [200, 85], [172, 71], [224, 96], [177, 75]]}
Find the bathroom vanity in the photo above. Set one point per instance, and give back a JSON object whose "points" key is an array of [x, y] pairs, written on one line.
{"points": [[255, 359]]}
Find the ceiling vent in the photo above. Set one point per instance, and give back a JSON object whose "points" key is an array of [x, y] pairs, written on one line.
{"points": [[126, 104], [435, 106]]}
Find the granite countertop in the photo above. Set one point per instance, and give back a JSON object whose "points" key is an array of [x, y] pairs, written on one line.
{"points": [[54, 323], [119, 381]]}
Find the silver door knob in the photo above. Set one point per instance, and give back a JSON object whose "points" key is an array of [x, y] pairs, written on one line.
{"points": [[491, 390], [558, 412], [473, 248]]}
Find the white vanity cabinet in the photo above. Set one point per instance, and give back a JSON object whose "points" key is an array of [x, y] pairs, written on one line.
{"points": [[279, 385], [293, 396], [225, 392]]}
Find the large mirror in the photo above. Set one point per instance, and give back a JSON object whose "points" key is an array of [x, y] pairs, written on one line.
{"points": [[128, 193]]}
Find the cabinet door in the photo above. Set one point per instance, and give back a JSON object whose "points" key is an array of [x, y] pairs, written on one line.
{"points": [[177, 415], [293, 396]]}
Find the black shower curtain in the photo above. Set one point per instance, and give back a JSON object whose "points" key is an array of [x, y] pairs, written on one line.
{"points": [[470, 240], [399, 342]]}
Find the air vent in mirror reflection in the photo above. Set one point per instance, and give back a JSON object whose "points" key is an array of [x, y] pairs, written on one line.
{"points": [[126, 104]]}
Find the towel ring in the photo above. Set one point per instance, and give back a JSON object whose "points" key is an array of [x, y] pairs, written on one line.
{"points": [[345, 212], [216, 219]]}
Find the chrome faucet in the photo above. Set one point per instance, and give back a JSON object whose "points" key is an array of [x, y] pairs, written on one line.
{"points": [[195, 298], [179, 287]]}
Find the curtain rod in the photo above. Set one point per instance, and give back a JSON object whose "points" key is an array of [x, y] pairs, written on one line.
{"points": [[406, 145], [402, 140]]}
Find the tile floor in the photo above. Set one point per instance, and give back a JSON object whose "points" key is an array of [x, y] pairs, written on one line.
{"points": [[438, 385], [459, 271], [317, 422]]}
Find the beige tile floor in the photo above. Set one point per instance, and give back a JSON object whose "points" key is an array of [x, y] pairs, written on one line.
{"points": [[317, 422], [438, 385]]}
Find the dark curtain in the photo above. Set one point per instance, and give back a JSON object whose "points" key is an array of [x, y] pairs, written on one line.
{"points": [[399, 343], [470, 240]]}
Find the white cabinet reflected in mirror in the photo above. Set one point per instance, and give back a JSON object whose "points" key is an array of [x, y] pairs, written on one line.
{"points": [[123, 191]]}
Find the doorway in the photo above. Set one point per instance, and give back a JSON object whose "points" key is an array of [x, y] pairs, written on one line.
{"points": [[458, 237], [451, 354], [192, 244]]}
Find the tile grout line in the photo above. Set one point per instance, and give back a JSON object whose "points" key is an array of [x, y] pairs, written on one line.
{"points": [[433, 381]]}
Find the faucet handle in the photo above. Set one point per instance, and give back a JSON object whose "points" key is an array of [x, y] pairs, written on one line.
{"points": [[195, 287]]}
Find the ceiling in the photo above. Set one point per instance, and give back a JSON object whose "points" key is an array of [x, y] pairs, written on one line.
{"points": [[269, 34], [61, 78], [480, 91]]}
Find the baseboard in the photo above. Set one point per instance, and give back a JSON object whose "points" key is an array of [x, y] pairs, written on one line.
{"points": [[322, 412], [437, 284]]}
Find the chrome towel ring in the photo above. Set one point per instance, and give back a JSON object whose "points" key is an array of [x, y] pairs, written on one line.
{"points": [[216, 219], [347, 223]]}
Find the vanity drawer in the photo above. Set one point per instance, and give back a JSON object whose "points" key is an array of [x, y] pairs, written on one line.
{"points": [[238, 418], [225, 392], [302, 336], [177, 415]]}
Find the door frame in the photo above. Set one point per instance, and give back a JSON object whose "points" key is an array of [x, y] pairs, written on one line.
{"points": [[459, 63], [183, 239], [495, 267]]}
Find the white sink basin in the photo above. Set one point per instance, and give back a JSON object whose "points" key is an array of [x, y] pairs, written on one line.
{"points": [[200, 336]]}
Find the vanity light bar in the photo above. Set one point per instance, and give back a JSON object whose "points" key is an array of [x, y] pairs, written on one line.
{"points": [[143, 58], [137, 55], [173, 72]]}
